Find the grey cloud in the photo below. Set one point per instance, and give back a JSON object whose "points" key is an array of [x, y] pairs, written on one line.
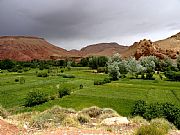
{"points": [[74, 23]]}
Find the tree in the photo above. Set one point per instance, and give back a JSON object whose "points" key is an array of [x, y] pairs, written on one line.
{"points": [[6, 64], [178, 62], [113, 70], [149, 66], [95, 62], [134, 67]]}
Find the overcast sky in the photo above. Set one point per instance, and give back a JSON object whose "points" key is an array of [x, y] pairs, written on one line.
{"points": [[76, 23]]}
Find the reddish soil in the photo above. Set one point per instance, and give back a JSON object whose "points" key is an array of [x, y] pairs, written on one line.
{"points": [[9, 129]]}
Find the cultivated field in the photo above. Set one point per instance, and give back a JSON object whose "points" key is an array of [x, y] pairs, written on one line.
{"points": [[118, 95]]}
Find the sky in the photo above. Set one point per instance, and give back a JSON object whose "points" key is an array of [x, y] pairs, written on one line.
{"points": [[73, 24]]}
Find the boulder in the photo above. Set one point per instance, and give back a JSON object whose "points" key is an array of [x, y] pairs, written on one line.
{"points": [[115, 121]]}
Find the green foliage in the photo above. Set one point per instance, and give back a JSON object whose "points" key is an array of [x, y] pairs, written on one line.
{"points": [[139, 108], [172, 75], [69, 65], [102, 70], [84, 62], [158, 110], [113, 70], [101, 82], [64, 92], [42, 74], [34, 98], [6, 64], [95, 62]]}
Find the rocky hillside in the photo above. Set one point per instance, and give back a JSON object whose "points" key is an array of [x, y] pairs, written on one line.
{"points": [[26, 48], [23, 48], [103, 49], [169, 47]]}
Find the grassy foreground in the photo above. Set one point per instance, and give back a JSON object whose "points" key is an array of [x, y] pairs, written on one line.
{"points": [[118, 95]]}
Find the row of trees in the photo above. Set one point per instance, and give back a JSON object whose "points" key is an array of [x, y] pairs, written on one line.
{"points": [[145, 66], [93, 62]]}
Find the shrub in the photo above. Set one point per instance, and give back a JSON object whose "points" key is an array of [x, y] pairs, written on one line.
{"points": [[139, 108], [55, 116], [107, 80], [150, 130], [3, 112], [42, 74], [21, 80], [98, 82], [157, 110], [64, 92], [70, 121], [162, 123], [83, 118], [102, 70], [172, 75], [34, 98], [67, 76], [101, 82], [139, 120], [108, 113], [93, 111], [16, 80], [81, 86]]}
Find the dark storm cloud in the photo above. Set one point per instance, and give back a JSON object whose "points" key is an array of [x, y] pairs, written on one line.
{"points": [[74, 23]]}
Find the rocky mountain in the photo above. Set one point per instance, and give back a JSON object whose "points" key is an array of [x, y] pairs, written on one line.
{"points": [[169, 47], [25, 48]]}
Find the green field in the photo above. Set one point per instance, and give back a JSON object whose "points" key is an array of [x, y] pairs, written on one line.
{"points": [[118, 95]]}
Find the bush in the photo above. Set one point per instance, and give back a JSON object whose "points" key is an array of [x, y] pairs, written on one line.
{"points": [[83, 118], [162, 123], [3, 112], [34, 98], [70, 121], [56, 116], [158, 110], [16, 80], [101, 82], [108, 113], [172, 75], [98, 82], [139, 108], [92, 111], [139, 120], [67, 76], [21, 80], [81, 86], [107, 80], [42, 74], [150, 130], [102, 70], [64, 92]]}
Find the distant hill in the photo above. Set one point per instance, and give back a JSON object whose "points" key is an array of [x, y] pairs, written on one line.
{"points": [[24, 48], [103, 49]]}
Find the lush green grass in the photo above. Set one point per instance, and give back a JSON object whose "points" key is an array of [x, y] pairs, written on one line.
{"points": [[119, 95]]}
